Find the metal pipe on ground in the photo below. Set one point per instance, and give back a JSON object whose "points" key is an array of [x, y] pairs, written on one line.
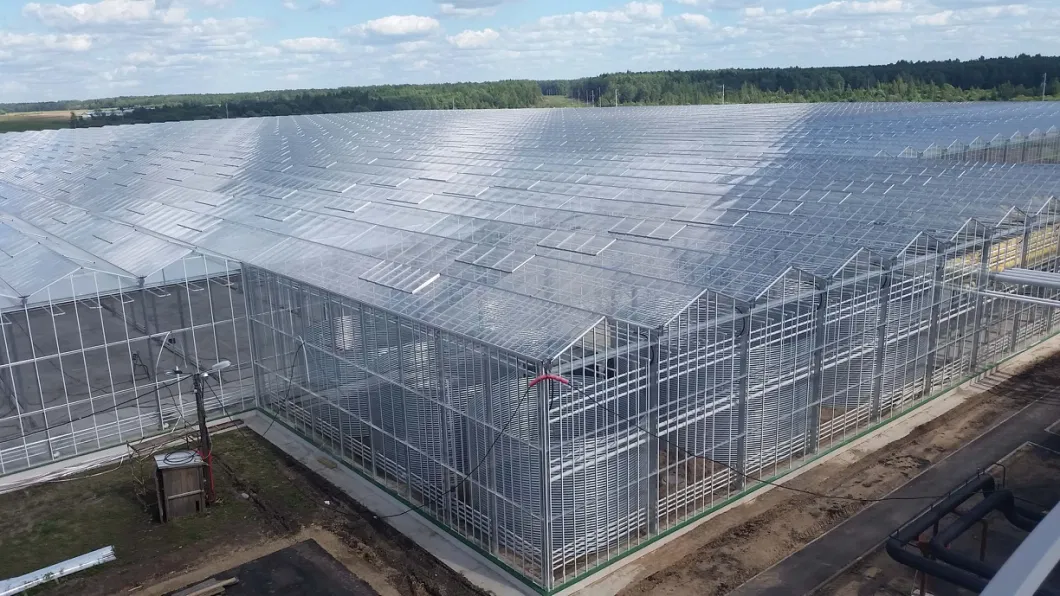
{"points": [[896, 543], [956, 568], [940, 544]]}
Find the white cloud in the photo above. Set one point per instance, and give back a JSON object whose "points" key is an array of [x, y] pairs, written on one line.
{"points": [[937, 19], [190, 54], [1009, 10], [290, 5], [469, 8], [452, 10], [105, 12], [651, 10], [474, 39], [118, 73], [9, 86], [311, 45], [396, 27], [141, 57], [597, 18], [38, 42], [697, 21], [854, 7]]}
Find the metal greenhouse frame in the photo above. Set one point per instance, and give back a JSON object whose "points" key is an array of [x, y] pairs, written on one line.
{"points": [[557, 334]]}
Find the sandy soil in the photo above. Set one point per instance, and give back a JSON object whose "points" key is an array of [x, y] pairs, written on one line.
{"points": [[728, 550]]}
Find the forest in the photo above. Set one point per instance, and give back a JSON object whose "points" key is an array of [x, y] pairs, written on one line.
{"points": [[1021, 77], [984, 79]]}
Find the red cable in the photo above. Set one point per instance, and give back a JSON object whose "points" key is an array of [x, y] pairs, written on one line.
{"points": [[548, 377]]}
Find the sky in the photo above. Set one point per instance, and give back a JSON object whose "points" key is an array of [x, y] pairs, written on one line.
{"points": [[54, 51]]}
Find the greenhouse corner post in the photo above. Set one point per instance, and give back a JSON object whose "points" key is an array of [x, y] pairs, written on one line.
{"points": [[876, 407], [650, 414], [1023, 263], [933, 323], [977, 317], [249, 301], [815, 401], [744, 359], [542, 389]]}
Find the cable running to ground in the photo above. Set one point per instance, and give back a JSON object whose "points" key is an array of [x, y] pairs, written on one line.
{"points": [[496, 439]]}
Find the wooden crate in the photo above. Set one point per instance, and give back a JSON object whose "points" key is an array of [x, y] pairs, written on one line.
{"points": [[180, 482]]}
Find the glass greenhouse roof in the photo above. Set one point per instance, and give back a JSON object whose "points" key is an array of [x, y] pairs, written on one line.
{"points": [[519, 228]]}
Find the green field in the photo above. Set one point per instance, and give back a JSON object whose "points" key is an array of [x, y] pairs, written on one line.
{"points": [[558, 101]]}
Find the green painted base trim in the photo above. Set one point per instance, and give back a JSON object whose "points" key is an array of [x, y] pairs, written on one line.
{"points": [[695, 518], [423, 514]]}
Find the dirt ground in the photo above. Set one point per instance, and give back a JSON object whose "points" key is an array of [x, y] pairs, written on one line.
{"points": [[22, 121], [1033, 473], [726, 551], [284, 504]]}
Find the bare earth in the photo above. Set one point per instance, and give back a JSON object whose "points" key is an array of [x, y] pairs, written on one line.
{"points": [[726, 551], [284, 504]]}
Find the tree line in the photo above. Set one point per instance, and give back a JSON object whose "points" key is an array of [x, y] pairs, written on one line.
{"points": [[984, 79]]}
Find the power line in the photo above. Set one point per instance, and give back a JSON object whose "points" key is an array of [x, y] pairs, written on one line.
{"points": [[91, 414], [290, 380]]}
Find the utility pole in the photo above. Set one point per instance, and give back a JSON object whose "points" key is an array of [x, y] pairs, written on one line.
{"points": [[723, 94], [200, 411], [1045, 77], [616, 97], [205, 446], [226, 110]]}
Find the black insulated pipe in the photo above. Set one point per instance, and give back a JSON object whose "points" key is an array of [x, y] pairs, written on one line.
{"points": [[1023, 518], [939, 545], [932, 516], [968, 581], [953, 567]]}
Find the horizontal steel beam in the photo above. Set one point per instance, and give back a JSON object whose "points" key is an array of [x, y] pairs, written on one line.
{"points": [[1022, 298], [1028, 277]]}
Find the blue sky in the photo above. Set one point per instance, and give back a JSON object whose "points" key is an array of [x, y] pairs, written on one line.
{"points": [[60, 50]]}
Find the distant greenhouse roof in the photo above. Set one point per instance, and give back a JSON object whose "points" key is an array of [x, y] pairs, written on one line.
{"points": [[520, 228]]}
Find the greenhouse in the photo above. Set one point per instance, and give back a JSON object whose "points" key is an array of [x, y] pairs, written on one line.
{"points": [[558, 334]]}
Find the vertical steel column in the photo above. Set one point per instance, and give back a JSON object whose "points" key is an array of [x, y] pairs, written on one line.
{"points": [[376, 451], [813, 412], [743, 362], [547, 578], [933, 322], [977, 314], [446, 419], [1055, 269], [402, 442], [491, 480], [1020, 309], [650, 413], [881, 342], [151, 372]]}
